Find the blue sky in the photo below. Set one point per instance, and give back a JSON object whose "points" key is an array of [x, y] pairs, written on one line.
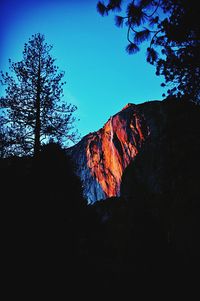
{"points": [[101, 77]]}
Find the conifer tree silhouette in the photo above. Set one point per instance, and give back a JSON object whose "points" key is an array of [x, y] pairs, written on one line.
{"points": [[32, 109]]}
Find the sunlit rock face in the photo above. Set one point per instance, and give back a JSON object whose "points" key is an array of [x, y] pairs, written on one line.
{"points": [[102, 156]]}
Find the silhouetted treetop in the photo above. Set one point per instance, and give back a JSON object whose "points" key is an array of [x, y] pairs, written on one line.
{"points": [[172, 29]]}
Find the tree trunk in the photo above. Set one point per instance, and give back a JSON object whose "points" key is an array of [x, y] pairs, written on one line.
{"points": [[37, 121]]}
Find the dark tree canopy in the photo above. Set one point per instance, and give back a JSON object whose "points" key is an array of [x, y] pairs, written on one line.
{"points": [[32, 111], [172, 28]]}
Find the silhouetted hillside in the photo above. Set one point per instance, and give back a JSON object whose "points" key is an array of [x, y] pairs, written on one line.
{"points": [[146, 238]]}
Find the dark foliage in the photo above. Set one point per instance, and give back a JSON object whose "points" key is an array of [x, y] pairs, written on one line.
{"points": [[172, 27], [42, 215]]}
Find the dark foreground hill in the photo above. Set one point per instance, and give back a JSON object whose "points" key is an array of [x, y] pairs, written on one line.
{"points": [[144, 240]]}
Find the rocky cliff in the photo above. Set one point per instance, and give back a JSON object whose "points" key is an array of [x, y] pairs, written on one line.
{"points": [[102, 156]]}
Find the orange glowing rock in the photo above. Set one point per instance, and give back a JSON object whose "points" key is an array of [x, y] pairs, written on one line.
{"points": [[102, 156]]}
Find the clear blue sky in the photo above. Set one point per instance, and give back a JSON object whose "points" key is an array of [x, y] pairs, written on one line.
{"points": [[101, 77]]}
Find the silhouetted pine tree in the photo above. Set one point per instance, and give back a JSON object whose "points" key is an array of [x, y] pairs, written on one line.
{"points": [[32, 110]]}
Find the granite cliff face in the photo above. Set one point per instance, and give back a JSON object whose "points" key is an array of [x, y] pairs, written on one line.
{"points": [[154, 128], [102, 156]]}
